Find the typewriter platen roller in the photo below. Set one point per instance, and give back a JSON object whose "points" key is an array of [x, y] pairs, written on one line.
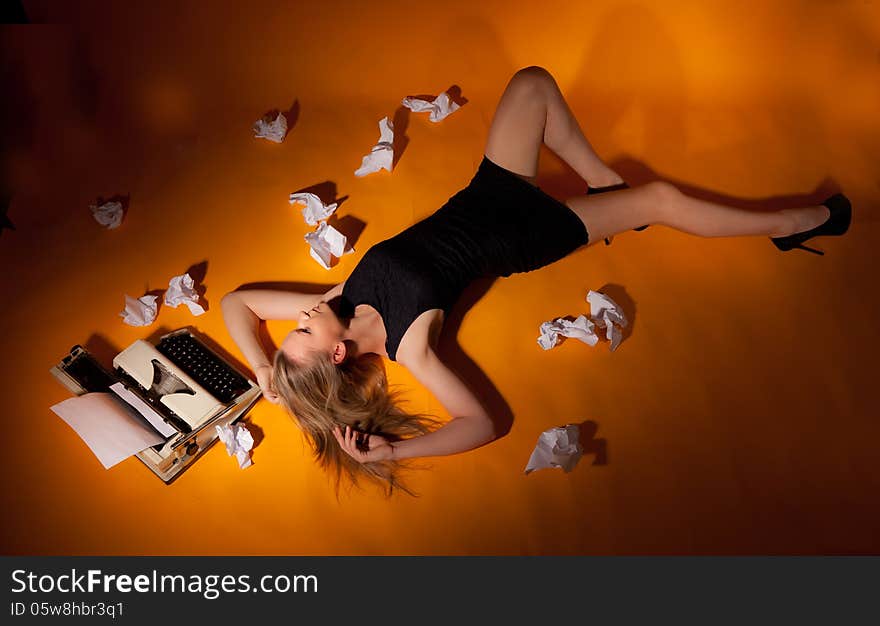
{"points": [[162, 379]]}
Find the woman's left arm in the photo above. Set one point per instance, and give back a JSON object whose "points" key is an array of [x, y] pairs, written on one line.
{"points": [[470, 426]]}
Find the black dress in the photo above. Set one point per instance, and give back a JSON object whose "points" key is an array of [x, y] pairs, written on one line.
{"points": [[498, 225]]}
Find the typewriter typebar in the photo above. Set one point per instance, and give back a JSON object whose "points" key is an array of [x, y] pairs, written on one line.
{"points": [[165, 383], [189, 385]]}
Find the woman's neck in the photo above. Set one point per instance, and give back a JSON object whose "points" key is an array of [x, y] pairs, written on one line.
{"points": [[367, 332]]}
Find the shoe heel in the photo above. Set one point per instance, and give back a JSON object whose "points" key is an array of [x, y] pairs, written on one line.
{"points": [[808, 249]]}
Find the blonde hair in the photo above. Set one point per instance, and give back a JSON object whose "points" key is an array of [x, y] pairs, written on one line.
{"points": [[320, 395]]}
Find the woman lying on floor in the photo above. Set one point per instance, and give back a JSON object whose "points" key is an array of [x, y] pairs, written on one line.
{"points": [[326, 372]]}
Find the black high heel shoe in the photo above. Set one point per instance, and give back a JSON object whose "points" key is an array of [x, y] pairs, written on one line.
{"points": [[836, 224], [594, 190]]}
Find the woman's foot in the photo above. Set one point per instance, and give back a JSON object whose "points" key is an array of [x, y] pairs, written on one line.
{"points": [[608, 178], [806, 218], [831, 219]]}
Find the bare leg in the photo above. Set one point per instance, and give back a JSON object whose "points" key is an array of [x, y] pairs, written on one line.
{"points": [[608, 214], [533, 111], [563, 135]]}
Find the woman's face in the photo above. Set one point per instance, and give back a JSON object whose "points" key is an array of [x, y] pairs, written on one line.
{"points": [[319, 331]]}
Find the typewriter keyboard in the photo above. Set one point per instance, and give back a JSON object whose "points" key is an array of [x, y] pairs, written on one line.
{"points": [[206, 368]]}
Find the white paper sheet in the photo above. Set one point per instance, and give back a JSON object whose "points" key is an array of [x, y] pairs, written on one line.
{"points": [[314, 209], [181, 290], [326, 242], [271, 129], [144, 409], [108, 214], [440, 107], [382, 154], [107, 425], [140, 312], [608, 315], [581, 328], [557, 447], [238, 441], [604, 314]]}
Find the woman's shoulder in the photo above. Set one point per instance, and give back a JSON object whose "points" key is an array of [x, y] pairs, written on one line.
{"points": [[422, 335]]}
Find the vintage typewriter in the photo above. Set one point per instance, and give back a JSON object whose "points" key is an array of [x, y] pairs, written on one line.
{"points": [[181, 386]]}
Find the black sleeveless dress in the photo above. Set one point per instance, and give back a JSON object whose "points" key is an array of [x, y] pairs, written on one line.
{"points": [[498, 225]]}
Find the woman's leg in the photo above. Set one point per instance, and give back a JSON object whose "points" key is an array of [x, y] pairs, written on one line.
{"points": [[532, 111], [659, 202]]}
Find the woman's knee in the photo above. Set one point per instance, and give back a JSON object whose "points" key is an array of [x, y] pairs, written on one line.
{"points": [[666, 195], [532, 77]]}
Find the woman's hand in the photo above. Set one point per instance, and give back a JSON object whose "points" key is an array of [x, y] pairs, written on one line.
{"points": [[265, 375], [364, 447]]}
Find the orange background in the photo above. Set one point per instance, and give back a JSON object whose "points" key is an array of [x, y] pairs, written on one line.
{"points": [[737, 417]]}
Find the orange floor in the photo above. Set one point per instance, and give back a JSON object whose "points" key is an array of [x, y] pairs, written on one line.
{"points": [[737, 417]]}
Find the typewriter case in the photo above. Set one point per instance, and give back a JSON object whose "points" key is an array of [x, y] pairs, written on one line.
{"points": [[81, 373]]}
